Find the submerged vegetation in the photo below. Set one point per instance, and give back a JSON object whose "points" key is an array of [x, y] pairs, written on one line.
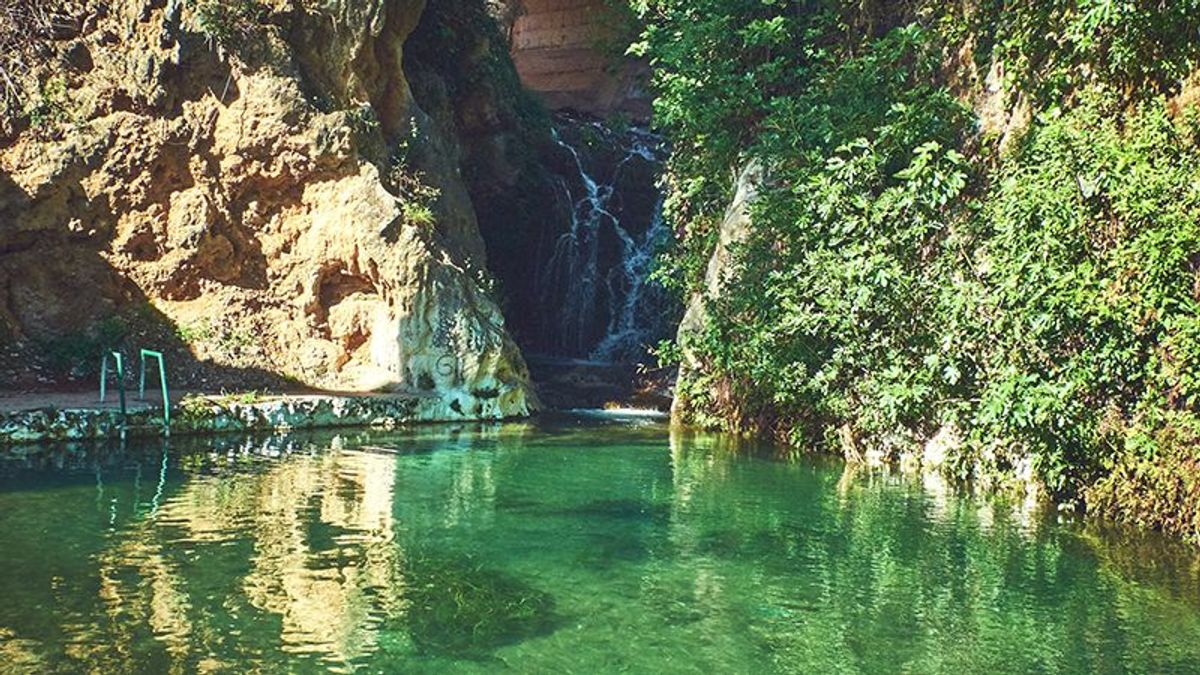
{"points": [[982, 222], [458, 607]]}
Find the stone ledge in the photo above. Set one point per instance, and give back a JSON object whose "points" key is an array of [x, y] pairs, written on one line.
{"points": [[248, 413]]}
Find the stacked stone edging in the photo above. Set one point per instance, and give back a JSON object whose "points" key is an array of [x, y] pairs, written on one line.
{"points": [[226, 414]]}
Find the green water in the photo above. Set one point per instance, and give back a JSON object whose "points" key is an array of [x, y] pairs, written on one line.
{"points": [[564, 545]]}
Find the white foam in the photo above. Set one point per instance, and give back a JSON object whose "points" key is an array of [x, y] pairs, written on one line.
{"points": [[621, 413]]}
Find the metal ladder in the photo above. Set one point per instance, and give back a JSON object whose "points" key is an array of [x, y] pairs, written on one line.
{"points": [[120, 373]]}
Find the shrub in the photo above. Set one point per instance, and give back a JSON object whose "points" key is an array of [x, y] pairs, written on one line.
{"points": [[1155, 481], [50, 104], [229, 23], [900, 273], [417, 197]]}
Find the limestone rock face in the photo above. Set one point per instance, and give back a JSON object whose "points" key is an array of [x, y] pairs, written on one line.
{"points": [[566, 51], [246, 201], [735, 227]]}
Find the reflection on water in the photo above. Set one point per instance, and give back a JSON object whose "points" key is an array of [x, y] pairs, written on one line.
{"points": [[570, 545]]}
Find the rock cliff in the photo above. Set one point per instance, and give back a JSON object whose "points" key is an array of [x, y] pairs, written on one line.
{"points": [[571, 53], [564, 201], [735, 227], [252, 186]]}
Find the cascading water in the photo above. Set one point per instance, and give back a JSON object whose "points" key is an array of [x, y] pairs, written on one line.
{"points": [[595, 282], [635, 317]]}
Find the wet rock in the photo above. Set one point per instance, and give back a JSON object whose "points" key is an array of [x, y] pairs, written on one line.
{"points": [[225, 414]]}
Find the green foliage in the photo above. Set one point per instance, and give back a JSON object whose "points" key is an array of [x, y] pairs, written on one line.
{"points": [[1155, 482], [79, 353], [230, 342], [417, 198], [50, 104], [622, 28], [1092, 234], [1052, 48], [717, 70], [667, 353], [193, 333], [251, 397], [900, 275], [418, 214], [362, 120], [229, 23]]}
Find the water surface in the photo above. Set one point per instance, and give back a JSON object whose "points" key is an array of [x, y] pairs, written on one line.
{"points": [[568, 545]]}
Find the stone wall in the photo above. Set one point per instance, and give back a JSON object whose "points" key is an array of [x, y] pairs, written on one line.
{"points": [[243, 414], [568, 52]]}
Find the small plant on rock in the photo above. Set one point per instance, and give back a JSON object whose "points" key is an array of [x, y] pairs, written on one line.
{"points": [[50, 106], [417, 198], [227, 23]]}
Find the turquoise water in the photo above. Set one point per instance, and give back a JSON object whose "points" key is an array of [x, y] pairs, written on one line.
{"points": [[566, 545]]}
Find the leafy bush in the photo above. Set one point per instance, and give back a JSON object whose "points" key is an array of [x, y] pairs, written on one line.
{"points": [[228, 23], [1053, 48], [1089, 243], [50, 104], [901, 273], [417, 198], [1155, 481], [80, 353], [219, 338]]}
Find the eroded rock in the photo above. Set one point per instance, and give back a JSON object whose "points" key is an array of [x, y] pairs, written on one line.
{"points": [[735, 227], [246, 188]]}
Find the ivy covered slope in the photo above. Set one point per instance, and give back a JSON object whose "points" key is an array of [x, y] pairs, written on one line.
{"points": [[977, 242]]}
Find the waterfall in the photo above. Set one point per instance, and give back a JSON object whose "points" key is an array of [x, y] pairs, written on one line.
{"points": [[595, 282], [634, 301]]}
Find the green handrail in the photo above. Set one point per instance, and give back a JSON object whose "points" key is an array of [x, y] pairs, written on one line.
{"points": [[120, 367], [162, 378]]}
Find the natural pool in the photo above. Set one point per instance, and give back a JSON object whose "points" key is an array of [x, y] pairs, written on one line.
{"points": [[564, 545]]}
